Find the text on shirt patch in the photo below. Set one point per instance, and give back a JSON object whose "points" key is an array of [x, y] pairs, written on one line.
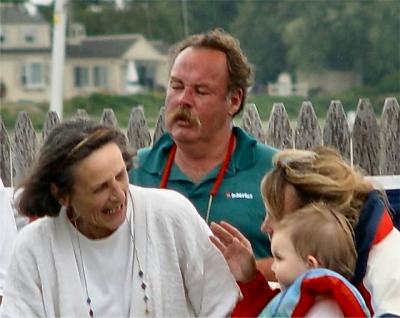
{"points": [[239, 195]]}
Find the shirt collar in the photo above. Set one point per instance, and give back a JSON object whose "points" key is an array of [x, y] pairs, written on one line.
{"points": [[243, 156]]}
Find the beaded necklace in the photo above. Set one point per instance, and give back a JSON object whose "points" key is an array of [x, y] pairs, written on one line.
{"points": [[140, 272], [88, 300], [220, 177]]}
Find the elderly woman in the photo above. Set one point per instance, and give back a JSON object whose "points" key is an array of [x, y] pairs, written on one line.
{"points": [[8, 233], [301, 177], [104, 248]]}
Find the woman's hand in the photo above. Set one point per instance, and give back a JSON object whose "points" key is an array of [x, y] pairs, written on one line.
{"points": [[236, 250]]}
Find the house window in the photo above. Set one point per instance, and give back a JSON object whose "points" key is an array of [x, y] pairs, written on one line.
{"points": [[100, 76], [2, 35], [81, 76], [29, 34], [33, 75], [142, 72], [146, 75]]}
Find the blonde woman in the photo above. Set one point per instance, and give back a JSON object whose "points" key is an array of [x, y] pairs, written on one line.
{"points": [[300, 177]]}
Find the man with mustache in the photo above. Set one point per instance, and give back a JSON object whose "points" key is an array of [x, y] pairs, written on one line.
{"points": [[219, 167]]}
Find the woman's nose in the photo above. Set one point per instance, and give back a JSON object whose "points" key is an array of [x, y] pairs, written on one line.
{"points": [[118, 192], [266, 226]]}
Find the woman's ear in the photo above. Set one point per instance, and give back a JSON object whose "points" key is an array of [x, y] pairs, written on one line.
{"points": [[62, 199], [312, 262]]}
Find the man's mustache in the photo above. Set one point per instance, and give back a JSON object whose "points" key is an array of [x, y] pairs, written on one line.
{"points": [[184, 114]]}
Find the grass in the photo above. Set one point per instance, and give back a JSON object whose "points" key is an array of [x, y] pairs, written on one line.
{"points": [[94, 106]]}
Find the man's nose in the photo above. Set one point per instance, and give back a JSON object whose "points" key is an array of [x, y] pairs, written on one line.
{"points": [[186, 98]]}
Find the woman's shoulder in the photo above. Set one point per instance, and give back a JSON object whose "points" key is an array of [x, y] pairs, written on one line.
{"points": [[35, 232], [161, 199], [165, 203]]}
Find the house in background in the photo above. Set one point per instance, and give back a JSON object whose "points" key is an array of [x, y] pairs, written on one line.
{"points": [[329, 81], [285, 87], [25, 54], [321, 82], [115, 64]]}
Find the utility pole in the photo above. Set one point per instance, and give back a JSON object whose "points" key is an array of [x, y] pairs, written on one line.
{"points": [[58, 56], [185, 18]]}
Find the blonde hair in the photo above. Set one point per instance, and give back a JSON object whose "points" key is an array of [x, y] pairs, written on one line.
{"points": [[319, 231], [317, 175]]}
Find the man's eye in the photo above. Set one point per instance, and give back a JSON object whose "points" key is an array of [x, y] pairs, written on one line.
{"points": [[202, 91], [176, 86]]}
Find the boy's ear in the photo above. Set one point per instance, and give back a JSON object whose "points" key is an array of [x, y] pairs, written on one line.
{"points": [[312, 262], [62, 199]]}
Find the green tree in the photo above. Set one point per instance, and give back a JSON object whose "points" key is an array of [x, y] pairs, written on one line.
{"points": [[207, 15], [285, 35], [382, 57], [358, 36], [154, 19], [259, 26]]}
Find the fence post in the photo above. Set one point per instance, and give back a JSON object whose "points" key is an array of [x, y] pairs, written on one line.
{"points": [[24, 150], [160, 125], [336, 129], [365, 137], [138, 131], [6, 173], [279, 133], [251, 122], [390, 137], [308, 131], [81, 113], [108, 118], [377, 153], [51, 121]]}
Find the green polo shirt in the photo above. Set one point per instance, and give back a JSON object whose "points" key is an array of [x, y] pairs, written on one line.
{"points": [[238, 200]]}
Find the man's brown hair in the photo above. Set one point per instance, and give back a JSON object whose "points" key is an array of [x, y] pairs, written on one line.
{"points": [[239, 70]]}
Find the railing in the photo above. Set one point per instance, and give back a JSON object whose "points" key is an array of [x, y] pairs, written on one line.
{"points": [[373, 146]]}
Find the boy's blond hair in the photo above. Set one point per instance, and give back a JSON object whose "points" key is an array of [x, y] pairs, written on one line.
{"points": [[317, 230]]}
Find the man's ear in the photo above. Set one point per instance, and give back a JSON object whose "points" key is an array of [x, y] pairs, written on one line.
{"points": [[62, 199], [312, 262], [235, 99]]}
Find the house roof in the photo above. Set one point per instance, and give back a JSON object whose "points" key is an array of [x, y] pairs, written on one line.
{"points": [[160, 46], [102, 46], [25, 51], [12, 14]]}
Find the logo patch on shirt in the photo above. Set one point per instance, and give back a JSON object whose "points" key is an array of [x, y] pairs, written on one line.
{"points": [[239, 195]]}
